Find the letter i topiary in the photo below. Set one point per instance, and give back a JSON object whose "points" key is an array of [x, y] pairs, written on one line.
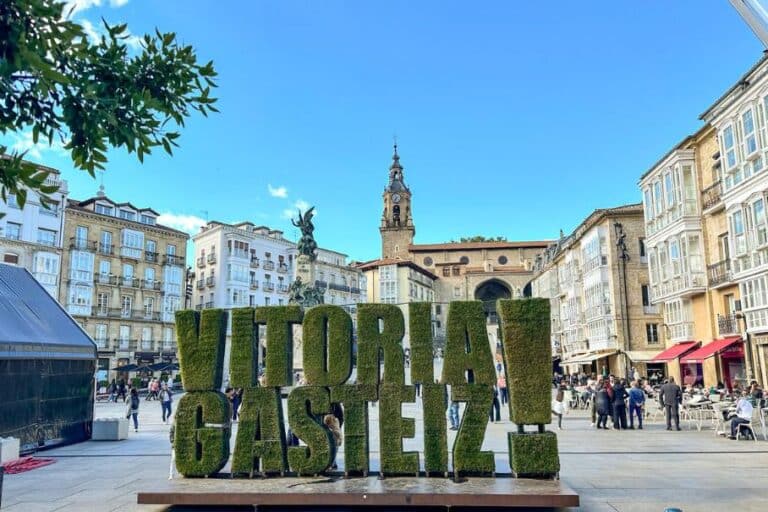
{"points": [[434, 399], [467, 457], [468, 357], [393, 428], [355, 400], [306, 407], [327, 340], [202, 450], [371, 340], [527, 358], [260, 434], [279, 354], [201, 344], [243, 357], [422, 351]]}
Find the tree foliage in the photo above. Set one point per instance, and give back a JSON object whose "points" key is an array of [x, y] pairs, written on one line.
{"points": [[479, 238], [90, 95]]}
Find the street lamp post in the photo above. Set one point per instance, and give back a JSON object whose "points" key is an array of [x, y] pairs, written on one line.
{"points": [[747, 348], [755, 14]]}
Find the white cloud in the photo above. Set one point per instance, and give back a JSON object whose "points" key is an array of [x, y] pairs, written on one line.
{"points": [[77, 6], [23, 142], [281, 192], [187, 223], [117, 3], [292, 213]]}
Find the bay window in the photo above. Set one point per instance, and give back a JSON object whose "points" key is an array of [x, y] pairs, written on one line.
{"points": [[729, 147], [750, 138]]}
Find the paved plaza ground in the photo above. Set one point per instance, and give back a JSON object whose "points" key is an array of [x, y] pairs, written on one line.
{"points": [[625, 471]]}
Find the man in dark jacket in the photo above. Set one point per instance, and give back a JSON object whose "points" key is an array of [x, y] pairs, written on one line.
{"points": [[670, 396], [619, 405]]}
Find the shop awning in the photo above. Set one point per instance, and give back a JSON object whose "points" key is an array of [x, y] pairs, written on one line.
{"points": [[126, 368], [710, 349], [676, 351], [640, 356], [587, 358]]}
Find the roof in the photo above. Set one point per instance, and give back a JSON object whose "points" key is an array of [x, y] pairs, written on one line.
{"points": [[463, 246], [34, 325], [370, 265], [710, 349], [114, 203], [676, 351], [742, 82], [74, 204], [683, 144]]}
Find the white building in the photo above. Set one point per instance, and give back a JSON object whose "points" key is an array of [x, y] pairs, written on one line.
{"points": [[32, 237]]}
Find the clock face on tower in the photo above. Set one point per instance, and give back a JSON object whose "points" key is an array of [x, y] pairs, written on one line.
{"points": [[396, 198]]}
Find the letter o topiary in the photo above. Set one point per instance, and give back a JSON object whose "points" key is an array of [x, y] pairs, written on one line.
{"points": [[327, 346], [202, 450], [279, 357]]}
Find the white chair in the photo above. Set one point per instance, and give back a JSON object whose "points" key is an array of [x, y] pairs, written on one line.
{"points": [[752, 425]]}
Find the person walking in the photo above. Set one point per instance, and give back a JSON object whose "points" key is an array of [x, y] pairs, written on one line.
{"points": [[132, 411], [166, 397], [237, 398], [453, 412], [558, 405], [112, 390], [619, 405], [121, 390], [495, 407], [602, 405], [636, 403], [670, 397], [501, 383], [332, 423]]}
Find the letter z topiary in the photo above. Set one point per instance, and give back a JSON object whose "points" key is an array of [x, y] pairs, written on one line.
{"points": [[327, 340], [260, 434], [467, 457], [201, 344], [306, 407], [371, 340], [202, 450], [468, 357], [279, 358]]}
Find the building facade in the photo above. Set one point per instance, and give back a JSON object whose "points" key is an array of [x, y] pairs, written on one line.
{"points": [[124, 279], [32, 237], [596, 280]]}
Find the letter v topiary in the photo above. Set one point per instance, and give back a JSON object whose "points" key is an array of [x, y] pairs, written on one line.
{"points": [[201, 344], [327, 346]]}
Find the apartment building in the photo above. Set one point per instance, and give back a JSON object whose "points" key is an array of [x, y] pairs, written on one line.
{"points": [[124, 280], [596, 279], [32, 237]]}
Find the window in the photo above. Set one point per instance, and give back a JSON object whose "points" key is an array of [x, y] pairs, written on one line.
{"points": [[758, 214], [127, 215], [669, 189], [279, 302], [446, 271], [13, 231], [147, 219], [149, 306], [729, 146], [81, 266], [648, 205], [105, 268], [643, 253], [266, 301], [428, 261], [463, 260], [149, 275], [102, 303], [80, 297], [125, 332], [503, 260], [11, 258], [133, 243], [46, 237], [750, 141], [652, 333], [151, 246], [104, 210], [126, 304], [646, 295], [100, 332], [438, 309], [146, 334], [106, 242], [12, 201], [657, 197], [456, 291], [171, 250], [456, 271], [674, 257]]}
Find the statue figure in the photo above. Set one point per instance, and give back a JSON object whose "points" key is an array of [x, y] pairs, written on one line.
{"points": [[304, 295], [307, 245]]}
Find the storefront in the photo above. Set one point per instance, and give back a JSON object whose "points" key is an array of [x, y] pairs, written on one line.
{"points": [[667, 363], [721, 361], [598, 364], [642, 361]]}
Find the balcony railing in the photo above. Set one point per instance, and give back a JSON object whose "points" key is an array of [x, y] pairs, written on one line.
{"points": [[211, 258], [338, 287], [269, 265], [712, 195], [200, 262], [727, 324], [130, 282], [254, 262], [101, 343], [172, 259], [148, 345], [198, 307], [682, 284], [107, 279], [719, 273], [321, 284], [81, 244], [254, 284], [354, 291], [133, 253], [210, 282], [147, 284], [107, 249], [650, 310], [151, 257], [209, 305], [282, 288], [125, 345], [268, 286], [200, 284], [282, 268]]}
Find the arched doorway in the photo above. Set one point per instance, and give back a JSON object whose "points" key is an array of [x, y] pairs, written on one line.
{"points": [[489, 292]]}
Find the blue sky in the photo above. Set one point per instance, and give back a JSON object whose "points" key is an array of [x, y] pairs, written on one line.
{"points": [[513, 118]]}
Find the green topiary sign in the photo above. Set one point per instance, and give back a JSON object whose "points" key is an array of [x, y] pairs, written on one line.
{"points": [[203, 431]]}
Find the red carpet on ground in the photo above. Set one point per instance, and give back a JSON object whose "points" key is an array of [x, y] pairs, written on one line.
{"points": [[26, 464]]}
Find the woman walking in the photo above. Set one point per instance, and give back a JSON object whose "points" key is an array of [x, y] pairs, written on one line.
{"points": [[603, 404], [133, 409], [166, 398], [558, 405]]}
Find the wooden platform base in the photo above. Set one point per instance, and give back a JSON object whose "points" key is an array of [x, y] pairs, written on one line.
{"points": [[494, 493]]}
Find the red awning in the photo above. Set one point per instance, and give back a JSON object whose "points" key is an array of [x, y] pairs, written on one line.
{"points": [[676, 351], [710, 349]]}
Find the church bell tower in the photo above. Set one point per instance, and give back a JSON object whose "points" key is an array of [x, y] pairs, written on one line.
{"points": [[397, 229]]}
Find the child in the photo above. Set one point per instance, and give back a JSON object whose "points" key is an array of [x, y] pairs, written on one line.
{"points": [[332, 424]]}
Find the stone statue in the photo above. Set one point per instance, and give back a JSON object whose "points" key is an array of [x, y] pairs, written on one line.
{"points": [[303, 294], [307, 245]]}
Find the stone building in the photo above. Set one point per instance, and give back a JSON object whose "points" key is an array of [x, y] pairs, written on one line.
{"points": [[32, 237], [442, 272], [597, 282], [125, 278]]}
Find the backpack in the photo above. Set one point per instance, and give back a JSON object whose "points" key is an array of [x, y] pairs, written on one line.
{"points": [[134, 402]]}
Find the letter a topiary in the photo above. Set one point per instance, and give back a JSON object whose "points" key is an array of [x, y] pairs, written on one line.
{"points": [[201, 344], [371, 340], [279, 358], [393, 428], [306, 408], [327, 346], [467, 457], [355, 399], [468, 357], [422, 351], [243, 358], [260, 434], [202, 450]]}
